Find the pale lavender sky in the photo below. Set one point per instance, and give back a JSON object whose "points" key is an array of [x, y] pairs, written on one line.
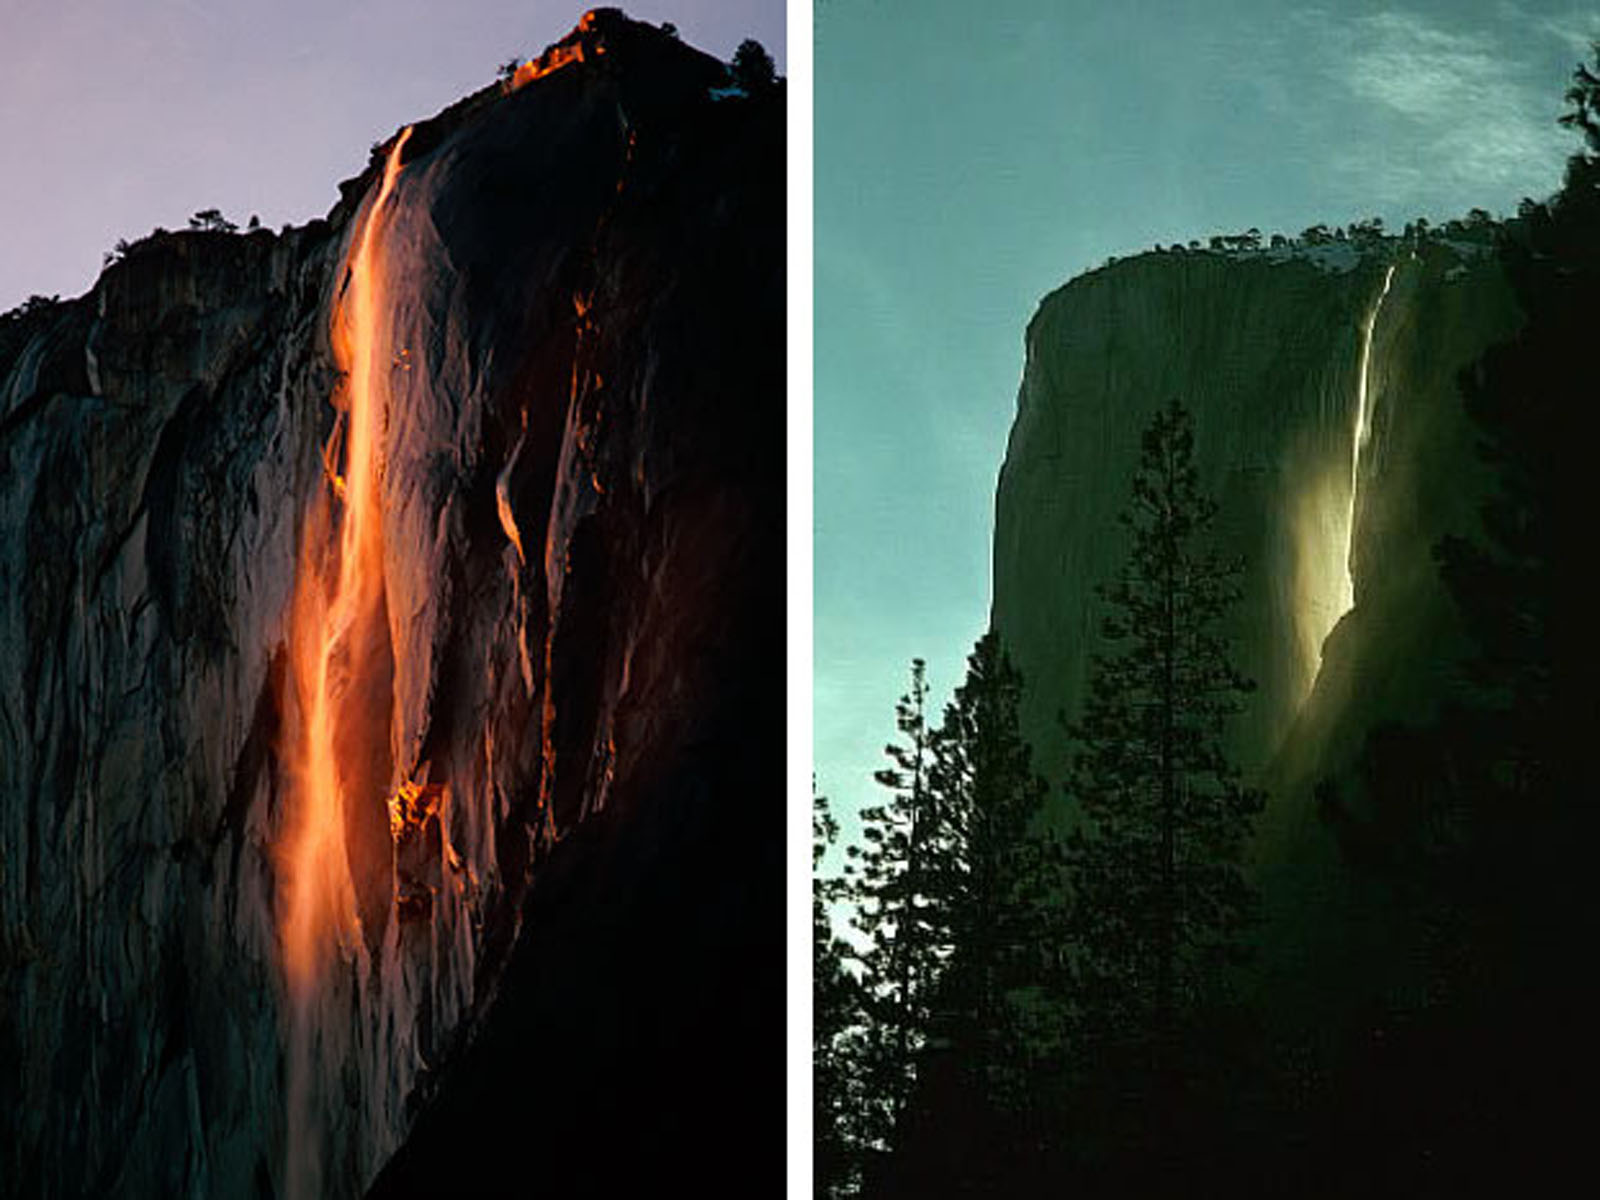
{"points": [[117, 116]]}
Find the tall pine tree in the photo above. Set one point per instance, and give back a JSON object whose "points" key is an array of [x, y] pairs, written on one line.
{"points": [[1159, 900], [837, 1025], [904, 932], [974, 1123]]}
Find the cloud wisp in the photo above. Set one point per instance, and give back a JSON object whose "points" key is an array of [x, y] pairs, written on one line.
{"points": [[1448, 114], [1577, 30]]}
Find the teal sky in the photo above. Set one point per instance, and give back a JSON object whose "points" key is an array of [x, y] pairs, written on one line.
{"points": [[972, 157]]}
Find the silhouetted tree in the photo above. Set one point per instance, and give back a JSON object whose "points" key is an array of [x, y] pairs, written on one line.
{"points": [[1160, 903], [974, 1124], [1483, 820], [211, 220], [753, 68], [1523, 586], [891, 881], [14, 319], [837, 1024], [1518, 746]]}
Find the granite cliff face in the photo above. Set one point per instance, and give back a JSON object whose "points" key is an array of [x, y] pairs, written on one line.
{"points": [[1329, 427], [556, 826]]}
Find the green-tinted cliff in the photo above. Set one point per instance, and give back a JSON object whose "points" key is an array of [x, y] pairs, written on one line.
{"points": [[1343, 622]]}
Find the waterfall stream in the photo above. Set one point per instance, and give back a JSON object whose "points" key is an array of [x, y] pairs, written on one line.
{"points": [[343, 671], [1359, 439], [1326, 506]]}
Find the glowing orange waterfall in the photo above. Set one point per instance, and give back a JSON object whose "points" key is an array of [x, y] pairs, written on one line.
{"points": [[341, 663]]}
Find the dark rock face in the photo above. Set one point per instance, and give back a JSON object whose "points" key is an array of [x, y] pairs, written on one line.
{"points": [[575, 931]]}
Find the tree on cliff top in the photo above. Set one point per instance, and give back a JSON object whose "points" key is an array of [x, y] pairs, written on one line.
{"points": [[1159, 899], [753, 68], [211, 220]]}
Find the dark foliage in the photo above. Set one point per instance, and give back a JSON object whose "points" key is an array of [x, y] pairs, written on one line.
{"points": [[893, 888], [836, 1025], [975, 1120], [1482, 823], [211, 220], [1160, 904], [753, 68]]}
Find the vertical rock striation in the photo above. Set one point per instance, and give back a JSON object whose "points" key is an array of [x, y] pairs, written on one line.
{"points": [[578, 726]]}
